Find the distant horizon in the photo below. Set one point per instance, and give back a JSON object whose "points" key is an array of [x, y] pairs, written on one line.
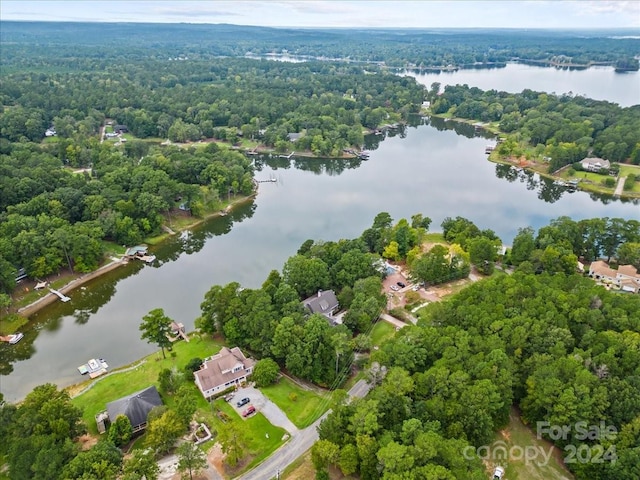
{"points": [[132, 22], [316, 14]]}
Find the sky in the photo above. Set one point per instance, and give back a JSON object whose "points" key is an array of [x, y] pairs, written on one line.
{"points": [[337, 13]]}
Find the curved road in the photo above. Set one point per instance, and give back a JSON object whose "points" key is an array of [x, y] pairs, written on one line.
{"points": [[300, 442]]}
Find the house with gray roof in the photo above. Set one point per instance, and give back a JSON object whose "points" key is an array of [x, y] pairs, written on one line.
{"points": [[324, 302], [226, 369], [135, 407]]}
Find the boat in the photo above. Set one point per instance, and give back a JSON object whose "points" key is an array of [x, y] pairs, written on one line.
{"points": [[15, 338], [94, 367]]}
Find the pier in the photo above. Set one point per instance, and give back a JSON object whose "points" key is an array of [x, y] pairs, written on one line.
{"points": [[60, 295]]}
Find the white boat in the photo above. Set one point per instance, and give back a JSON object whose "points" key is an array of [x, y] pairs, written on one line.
{"points": [[94, 367], [15, 338]]}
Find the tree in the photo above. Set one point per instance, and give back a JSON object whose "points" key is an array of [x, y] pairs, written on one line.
{"points": [[141, 465], [231, 440], [163, 431], [265, 372], [190, 459], [101, 462], [324, 453], [186, 403], [306, 275], [482, 253], [120, 431], [629, 254], [155, 328]]}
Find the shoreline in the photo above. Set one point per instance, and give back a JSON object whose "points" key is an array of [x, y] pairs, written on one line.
{"points": [[494, 158], [50, 298]]}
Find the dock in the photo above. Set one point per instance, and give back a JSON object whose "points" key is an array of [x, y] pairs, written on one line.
{"points": [[94, 367], [60, 295]]}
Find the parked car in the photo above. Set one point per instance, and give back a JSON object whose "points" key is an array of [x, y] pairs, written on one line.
{"points": [[243, 402], [249, 411], [498, 473], [400, 284], [394, 288]]}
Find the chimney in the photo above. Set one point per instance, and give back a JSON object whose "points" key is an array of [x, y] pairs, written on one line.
{"points": [[319, 293]]}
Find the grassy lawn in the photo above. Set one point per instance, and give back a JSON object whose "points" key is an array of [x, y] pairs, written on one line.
{"points": [[261, 438], [626, 170], [307, 407], [381, 332], [141, 375], [435, 237], [518, 434]]}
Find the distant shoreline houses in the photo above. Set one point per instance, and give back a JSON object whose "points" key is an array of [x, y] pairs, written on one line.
{"points": [[626, 277]]}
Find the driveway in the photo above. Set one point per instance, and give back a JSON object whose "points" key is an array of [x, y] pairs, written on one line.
{"points": [[300, 442], [269, 409]]}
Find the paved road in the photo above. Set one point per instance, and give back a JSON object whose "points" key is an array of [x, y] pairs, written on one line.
{"points": [[392, 320], [300, 442]]}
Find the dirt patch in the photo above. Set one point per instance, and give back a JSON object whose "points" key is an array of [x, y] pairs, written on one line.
{"points": [[215, 458], [87, 441]]}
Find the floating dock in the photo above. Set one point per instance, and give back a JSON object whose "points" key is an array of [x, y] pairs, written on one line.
{"points": [[94, 367]]}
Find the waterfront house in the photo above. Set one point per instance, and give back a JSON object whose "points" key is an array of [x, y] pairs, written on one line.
{"points": [[226, 369], [292, 137], [135, 407], [626, 277], [594, 164], [324, 302]]}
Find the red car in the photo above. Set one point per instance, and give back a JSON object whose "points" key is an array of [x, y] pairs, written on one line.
{"points": [[249, 411]]}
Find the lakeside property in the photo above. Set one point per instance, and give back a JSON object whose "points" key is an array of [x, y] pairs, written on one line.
{"points": [[589, 179]]}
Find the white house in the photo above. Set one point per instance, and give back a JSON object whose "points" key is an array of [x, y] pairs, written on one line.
{"points": [[594, 164], [226, 369], [626, 277]]}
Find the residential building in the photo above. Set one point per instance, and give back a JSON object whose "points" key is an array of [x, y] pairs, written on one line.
{"points": [[135, 407], [324, 302], [594, 164], [626, 277], [228, 368]]}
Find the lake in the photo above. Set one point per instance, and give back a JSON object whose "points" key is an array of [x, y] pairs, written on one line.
{"points": [[431, 167]]}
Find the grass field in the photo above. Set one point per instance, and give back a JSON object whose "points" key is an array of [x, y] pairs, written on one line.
{"points": [[307, 407], [261, 438], [138, 377], [515, 435], [381, 332]]}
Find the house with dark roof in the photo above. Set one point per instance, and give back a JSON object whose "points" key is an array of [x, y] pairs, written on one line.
{"points": [[120, 129], [135, 407], [226, 369], [324, 302]]}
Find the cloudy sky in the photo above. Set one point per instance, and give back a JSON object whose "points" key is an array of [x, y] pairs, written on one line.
{"points": [[336, 13]]}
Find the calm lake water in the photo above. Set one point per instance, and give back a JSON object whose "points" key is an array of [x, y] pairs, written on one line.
{"points": [[601, 83], [433, 167]]}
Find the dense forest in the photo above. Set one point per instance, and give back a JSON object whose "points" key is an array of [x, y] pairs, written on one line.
{"points": [[542, 337], [63, 196], [414, 48], [564, 128]]}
